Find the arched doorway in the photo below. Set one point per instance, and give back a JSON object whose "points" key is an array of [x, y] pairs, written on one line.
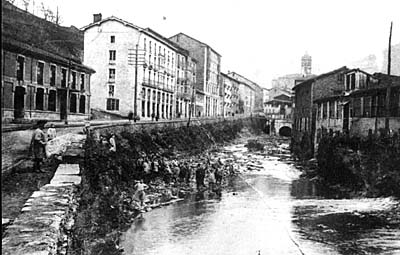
{"points": [[19, 102], [285, 131]]}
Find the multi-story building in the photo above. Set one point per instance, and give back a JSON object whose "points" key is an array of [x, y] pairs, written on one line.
{"points": [[43, 76], [306, 94], [207, 99], [137, 70], [186, 77], [366, 103], [230, 95], [256, 92], [279, 107]]}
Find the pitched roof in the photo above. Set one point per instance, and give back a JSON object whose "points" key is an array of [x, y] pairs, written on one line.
{"points": [[19, 26], [194, 39], [148, 31], [341, 69]]}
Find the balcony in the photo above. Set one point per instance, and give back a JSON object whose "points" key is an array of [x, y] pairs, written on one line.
{"points": [[157, 85]]}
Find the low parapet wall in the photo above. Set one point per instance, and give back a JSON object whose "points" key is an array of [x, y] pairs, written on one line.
{"points": [[132, 126]]}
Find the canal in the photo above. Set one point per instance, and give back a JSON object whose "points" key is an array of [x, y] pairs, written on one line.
{"points": [[264, 210]]}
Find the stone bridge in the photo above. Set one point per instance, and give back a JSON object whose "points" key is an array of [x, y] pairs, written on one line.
{"points": [[282, 126]]}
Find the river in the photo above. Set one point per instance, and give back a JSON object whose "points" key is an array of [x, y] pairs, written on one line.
{"points": [[264, 210]]}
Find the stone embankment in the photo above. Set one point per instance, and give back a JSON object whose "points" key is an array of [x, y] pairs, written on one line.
{"points": [[48, 215]]}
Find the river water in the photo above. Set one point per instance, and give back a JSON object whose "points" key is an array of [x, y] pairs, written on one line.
{"points": [[264, 210]]}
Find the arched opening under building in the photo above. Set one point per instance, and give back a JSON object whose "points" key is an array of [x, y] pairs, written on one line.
{"points": [[285, 131]]}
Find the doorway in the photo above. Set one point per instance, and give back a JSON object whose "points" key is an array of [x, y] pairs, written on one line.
{"points": [[19, 102]]}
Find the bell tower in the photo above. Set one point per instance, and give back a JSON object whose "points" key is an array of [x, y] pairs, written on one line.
{"points": [[306, 61]]}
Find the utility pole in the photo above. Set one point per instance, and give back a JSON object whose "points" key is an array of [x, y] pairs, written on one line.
{"points": [[388, 89], [67, 104], [136, 71], [390, 49]]}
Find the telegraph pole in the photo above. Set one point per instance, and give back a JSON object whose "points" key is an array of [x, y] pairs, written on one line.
{"points": [[136, 71], [388, 89]]}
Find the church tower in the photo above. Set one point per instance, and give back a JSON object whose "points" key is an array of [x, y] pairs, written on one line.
{"points": [[306, 65]]}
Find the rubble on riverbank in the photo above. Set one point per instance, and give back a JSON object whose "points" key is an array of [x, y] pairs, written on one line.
{"points": [[108, 178]]}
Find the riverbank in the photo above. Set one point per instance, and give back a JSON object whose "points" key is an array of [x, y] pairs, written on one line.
{"points": [[108, 178]]}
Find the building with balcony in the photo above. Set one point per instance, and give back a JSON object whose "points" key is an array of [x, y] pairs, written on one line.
{"points": [[251, 95], [207, 94], [230, 99], [186, 78], [43, 76], [367, 103], [136, 69]]}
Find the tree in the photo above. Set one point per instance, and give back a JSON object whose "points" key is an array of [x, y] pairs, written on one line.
{"points": [[49, 15]]}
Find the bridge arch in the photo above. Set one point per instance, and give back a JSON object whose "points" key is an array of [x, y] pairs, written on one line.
{"points": [[285, 131]]}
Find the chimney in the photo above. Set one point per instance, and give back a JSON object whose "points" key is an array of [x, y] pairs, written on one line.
{"points": [[96, 17]]}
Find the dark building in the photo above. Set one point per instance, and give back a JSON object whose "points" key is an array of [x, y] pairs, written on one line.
{"points": [[42, 72], [305, 110]]}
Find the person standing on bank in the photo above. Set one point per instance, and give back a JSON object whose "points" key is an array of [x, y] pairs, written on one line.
{"points": [[38, 146], [51, 132], [113, 146]]}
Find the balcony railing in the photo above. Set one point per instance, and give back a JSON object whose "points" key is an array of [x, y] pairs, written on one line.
{"points": [[157, 85]]}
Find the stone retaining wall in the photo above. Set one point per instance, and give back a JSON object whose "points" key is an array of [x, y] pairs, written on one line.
{"points": [[40, 228]]}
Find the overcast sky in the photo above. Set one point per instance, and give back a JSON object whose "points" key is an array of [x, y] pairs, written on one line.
{"points": [[258, 38]]}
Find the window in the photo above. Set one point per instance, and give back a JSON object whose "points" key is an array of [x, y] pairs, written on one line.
{"points": [[113, 54], [367, 107], [111, 74], [112, 104], [112, 39], [39, 73], [63, 77], [52, 101], [353, 81], [381, 104], [82, 81], [39, 98], [72, 106], [394, 103], [52, 75], [338, 112], [357, 107], [20, 68], [82, 104], [73, 80], [111, 90], [325, 110], [332, 109]]}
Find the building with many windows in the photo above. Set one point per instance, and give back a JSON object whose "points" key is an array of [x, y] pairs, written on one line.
{"points": [[366, 103], [230, 100], [136, 70], [43, 76], [207, 99]]}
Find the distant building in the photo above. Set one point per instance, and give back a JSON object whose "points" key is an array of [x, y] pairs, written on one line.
{"points": [[254, 95], [310, 91], [231, 95], [287, 82], [208, 100], [279, 107], [137, 70], [43, 76]]}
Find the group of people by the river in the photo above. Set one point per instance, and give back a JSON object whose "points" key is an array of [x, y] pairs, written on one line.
{"points": [[206, 174], [39, 140]]}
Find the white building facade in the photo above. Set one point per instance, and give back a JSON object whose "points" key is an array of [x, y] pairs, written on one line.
{"points": [[126, 57]]}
